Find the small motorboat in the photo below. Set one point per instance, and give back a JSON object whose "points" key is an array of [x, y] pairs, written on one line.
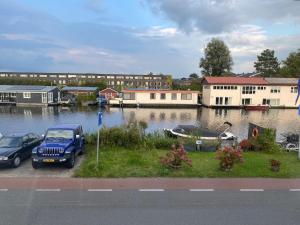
{"points": [[191, 131], [257, 107]]}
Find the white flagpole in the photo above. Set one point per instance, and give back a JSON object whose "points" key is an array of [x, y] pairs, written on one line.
{"points": [[98, 147]]}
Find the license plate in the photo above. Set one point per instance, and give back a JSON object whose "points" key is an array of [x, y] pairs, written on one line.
{"points": [[48, 160]]}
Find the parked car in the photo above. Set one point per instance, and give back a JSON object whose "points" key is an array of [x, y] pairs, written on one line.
{"points": [[1, 135], [16, 148], [61, 144]]}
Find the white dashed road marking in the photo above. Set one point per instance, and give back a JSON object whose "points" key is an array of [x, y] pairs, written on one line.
{"points": [[48, 189], [151, 190], [100, 190], [194, 190], [294, 189], [4, 189], [249, 190]]}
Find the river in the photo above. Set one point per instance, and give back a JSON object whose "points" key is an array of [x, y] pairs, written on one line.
{"points": [[37, 119]]}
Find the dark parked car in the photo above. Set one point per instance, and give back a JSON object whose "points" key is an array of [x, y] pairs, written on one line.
{"points": [[61, 144], [17, 147]]}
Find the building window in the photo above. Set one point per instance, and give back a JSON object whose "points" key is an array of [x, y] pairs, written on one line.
{"points": [[215, 87], [294, 89], [163, 96], [275, 89], [152, 95], [246, 101], [26, 95], [129, 96], [261, 88], [50, 97], [228, 100], [206, 87], [272, 102], [174, 96], [219, 100], [186, 96], [248, 90]]}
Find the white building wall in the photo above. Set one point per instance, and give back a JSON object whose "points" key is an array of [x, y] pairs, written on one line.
{"points": [[285, 98], [144, 98]]}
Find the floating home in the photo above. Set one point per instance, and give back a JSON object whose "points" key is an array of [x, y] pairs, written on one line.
{"points": [[29, 95], [160, 98]]}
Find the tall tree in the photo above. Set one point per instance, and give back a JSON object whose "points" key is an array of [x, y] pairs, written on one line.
{"points": [[193, 76], [217, 59], [291, 66], [267, 64]]}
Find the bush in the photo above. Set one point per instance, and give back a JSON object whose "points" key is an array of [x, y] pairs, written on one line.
{"points": [[175, 158], [159, 141], [123, 136], [228, 157], [245, 145], [275, 165], [266, 141]]}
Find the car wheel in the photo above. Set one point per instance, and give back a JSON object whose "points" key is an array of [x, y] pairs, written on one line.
{"points": [[17, 161], [71, 161], [35, 165]]}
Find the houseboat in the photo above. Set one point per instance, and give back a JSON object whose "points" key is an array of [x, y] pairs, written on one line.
{"points": [[29, 95], [160, 98]]}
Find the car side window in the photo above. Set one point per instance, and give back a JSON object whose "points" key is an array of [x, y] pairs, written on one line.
{"points": [[25, 139], [32, 137]]}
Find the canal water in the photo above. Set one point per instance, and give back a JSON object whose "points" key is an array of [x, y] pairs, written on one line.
{"points": [[37, 119]]}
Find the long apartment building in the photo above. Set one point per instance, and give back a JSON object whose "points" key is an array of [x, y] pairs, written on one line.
{"points": [[112, 80], [256, 91]]}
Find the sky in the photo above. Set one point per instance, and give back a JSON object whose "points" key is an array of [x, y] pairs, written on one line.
{"points": [[141, 36]]}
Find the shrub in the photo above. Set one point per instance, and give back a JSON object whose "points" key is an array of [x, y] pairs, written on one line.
{"points": [[266, 141], [159, 141], [275, 165], [228, 157], [245, 144], [175, 158], [91, 138]]}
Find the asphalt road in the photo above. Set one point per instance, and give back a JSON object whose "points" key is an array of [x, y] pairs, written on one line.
{"points": [[160, 207]]}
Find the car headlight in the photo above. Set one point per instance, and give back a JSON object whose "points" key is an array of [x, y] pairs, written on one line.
{"points": [[61, 150], [40, 150], [3, 158]]}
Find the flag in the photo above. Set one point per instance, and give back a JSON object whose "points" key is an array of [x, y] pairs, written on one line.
{"points": [[99, 118], [298, 91]]}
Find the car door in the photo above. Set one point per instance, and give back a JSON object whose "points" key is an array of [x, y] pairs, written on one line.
{"points": [[25, 146], [33, 142], [77, 140]]}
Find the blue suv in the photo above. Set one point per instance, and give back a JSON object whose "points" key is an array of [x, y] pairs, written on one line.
{"points": [[61, 144]]}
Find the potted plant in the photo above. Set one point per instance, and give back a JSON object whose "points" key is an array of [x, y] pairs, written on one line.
{"points": [[275, 165]]}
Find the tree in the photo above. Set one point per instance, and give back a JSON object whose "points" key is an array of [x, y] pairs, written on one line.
{"points": [[267, 64], [193, 76], [217, 59], [291, 66]]}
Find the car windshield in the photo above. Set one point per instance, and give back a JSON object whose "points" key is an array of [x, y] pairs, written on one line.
{"points": [[63, 134], [10, 142]]}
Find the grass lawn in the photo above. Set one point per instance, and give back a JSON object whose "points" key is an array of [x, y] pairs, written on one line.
{"points": [[116, 162]]}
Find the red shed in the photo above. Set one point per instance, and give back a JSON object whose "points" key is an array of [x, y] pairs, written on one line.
{"points": [[109, 93]]}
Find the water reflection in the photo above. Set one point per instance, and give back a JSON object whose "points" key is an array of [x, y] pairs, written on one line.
{"points": [[13, 119]]}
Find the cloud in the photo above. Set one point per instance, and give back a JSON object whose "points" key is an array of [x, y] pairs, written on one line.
{"points": [[94, 5], [34, 41], [216, 16]]}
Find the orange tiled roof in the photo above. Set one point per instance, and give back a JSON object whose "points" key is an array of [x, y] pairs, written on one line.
{"points": [[236, 80]]}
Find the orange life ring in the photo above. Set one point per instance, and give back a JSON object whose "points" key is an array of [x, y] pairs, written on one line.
{"points": [[255, 132]]}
